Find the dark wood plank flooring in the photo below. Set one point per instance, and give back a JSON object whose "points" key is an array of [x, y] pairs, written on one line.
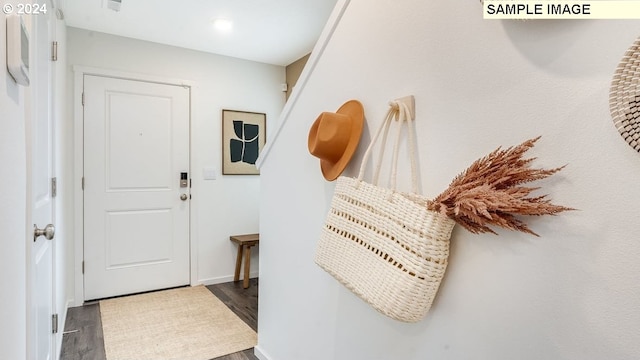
{"points": [[83, 339], [243, 302]]}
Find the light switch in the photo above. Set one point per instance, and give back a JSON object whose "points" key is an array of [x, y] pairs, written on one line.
{"points": [[209, 173]]}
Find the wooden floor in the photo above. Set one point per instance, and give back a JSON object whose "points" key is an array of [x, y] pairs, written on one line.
{"points": [[83, 338]]}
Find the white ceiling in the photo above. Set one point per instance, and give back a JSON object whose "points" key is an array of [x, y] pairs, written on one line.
{"points": [[270, 31]]}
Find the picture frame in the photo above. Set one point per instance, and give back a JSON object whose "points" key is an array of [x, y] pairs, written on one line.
{"points": [[243, 138]]}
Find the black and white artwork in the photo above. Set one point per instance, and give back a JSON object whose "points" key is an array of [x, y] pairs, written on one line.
{"points": [[243, 137]]}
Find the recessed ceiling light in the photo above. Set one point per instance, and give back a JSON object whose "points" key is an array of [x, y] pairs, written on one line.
{"points": [[223, 25]]}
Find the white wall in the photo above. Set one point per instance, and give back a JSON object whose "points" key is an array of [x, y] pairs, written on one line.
{"points": [[573, 293], [222, 207], [13, 234]]}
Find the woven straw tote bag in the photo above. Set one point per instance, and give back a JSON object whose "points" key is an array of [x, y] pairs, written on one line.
{"points": [[384, 245], [624, 96]]}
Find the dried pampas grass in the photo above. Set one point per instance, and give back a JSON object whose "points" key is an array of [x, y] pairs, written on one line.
{"points": [[490, 192]]}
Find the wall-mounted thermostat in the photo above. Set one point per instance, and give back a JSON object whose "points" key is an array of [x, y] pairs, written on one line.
{"points": [[17, 49]]}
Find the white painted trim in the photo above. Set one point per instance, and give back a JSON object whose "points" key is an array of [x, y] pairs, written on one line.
{"points": [[193, 244], [88, 70], [316, 54], [79, 72], [78, 166], [224, 279], [261, 354]]}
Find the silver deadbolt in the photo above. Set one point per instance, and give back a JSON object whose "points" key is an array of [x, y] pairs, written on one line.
{"points": [[184, 197], [184, 180], [48, 232]]}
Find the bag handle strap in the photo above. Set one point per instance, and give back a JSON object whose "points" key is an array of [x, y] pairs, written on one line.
{"points": [[398, 111], [404, 116], [367, 155]]}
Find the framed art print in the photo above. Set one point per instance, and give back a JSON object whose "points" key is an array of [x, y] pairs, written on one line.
{"points": [[243, 138]]}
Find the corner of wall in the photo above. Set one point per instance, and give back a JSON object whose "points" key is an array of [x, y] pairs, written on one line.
{"points": [[316, 54]]}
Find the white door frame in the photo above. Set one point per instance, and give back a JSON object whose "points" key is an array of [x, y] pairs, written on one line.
{"points": [[78, 114]]}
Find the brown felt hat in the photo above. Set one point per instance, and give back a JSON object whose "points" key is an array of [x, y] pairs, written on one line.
{"points": [[334, 137]]}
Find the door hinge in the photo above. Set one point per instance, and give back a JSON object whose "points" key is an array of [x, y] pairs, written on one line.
{"points": [[54, 323], [82, 99], [83, 183], [54, 187], [83, 267], [54, 51]]}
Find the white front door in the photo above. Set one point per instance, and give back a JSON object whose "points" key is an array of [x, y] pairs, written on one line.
{"points": [[42, 207], [136, 214]]}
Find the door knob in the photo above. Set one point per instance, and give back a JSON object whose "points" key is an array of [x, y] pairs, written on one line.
{"points": [[184, 197], [48, 232]]}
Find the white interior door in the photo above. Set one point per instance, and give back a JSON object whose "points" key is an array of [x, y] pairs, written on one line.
{"points": [[42, 207], [136, 214]]}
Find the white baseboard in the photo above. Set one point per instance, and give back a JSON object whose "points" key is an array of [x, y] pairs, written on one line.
{"points": [[261, 354], [223, 279], [74, 303]]}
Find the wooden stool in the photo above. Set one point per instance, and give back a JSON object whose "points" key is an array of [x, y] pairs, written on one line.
{"points": [[244, 241]]}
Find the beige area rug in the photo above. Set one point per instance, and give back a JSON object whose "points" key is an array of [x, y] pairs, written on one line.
{"points": [[178, 324]]}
